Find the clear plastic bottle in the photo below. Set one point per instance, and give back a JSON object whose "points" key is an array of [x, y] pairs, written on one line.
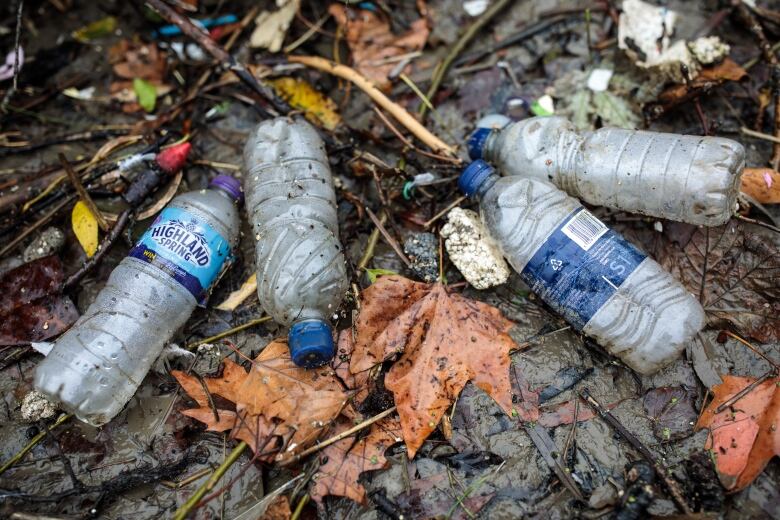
{"points": [[687, 178], [96, 366], [291, 203], [601, 284]]}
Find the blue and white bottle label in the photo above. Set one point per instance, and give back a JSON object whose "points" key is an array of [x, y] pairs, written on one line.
{"points": [[187, 249], [580, 266]]}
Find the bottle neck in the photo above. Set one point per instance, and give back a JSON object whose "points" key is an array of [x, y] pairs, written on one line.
{"points": [[490, 145], [224, 193], [486, 185]]}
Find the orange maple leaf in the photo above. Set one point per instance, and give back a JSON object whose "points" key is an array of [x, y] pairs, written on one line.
{"points": [[347, 459], [744, 436], [275, 398], [444, 341]]}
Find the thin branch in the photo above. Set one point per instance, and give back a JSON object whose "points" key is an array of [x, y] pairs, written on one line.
{"points": [[396, 110], [83, 195], [33, 442], [343, 435]]}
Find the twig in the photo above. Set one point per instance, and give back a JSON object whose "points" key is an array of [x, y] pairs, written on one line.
{"points": [[229, 332], [83, 195], [758, 223], [547, 447], [40, 222], [445, 210], [191, 502], [671, 484], [336, 438], [766, 50], [389, 239], [411, 145], [308, 34], [757, 352], [469, 490], [299, 508], [371, 245], [108, 241], [33, 442], [465, 39], [396, 110], [10, 92], [749, 388], [202, 38], [759, 135]]}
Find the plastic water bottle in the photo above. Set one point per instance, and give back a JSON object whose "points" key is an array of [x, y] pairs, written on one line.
{"points": [[291, 203], [678, 177], [601, 284], [96, 366]]}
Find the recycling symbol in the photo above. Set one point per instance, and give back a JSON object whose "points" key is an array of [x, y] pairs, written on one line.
{"points": [[556, 264]]}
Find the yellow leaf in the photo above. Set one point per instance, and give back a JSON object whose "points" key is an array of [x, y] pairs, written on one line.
{"points": [[85, 227], [318, 108]]}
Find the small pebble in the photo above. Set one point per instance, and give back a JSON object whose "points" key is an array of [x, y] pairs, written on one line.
{"points": [[473, 251], [35, 407], [423, 252], [48, 242]]}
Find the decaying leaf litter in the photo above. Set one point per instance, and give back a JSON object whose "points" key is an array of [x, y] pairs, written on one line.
{"points": [[97, 84]]}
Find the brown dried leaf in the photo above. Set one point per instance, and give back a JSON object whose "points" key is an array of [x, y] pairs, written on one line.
{"points": [[32, 308], [734, 272], [763, 184], [278, 509], [346, 459], [445, 340], [672, 412], [275, 398], [372, 43], [708, 78], [745, 436], [134, 60]]}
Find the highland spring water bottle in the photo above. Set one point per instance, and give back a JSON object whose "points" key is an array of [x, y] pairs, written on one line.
{"points": [[601, 284], [96, 366], [687, 178], [291, 203]]}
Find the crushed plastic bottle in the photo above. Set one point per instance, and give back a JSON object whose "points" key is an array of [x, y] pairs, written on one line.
{"points": [[96, 366], [686, 178], [291, 203], [601, 284]]}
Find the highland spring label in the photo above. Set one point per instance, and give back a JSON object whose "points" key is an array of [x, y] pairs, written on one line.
{"points": [[185, 248]]}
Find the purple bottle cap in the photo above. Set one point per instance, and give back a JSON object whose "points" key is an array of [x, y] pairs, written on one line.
{"points": [[229, 185]]}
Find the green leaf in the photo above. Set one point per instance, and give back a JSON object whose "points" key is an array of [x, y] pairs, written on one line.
{"points": [[615, 111], [581, 109], [97, 29], [146, 93], [373, 274]]}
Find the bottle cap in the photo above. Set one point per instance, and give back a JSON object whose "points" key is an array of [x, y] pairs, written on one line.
{"points": [[311, 343], [229, 185], [473, 176]]}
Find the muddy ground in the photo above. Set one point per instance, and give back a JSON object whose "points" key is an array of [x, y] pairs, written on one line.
{"points": [[509, 475]]}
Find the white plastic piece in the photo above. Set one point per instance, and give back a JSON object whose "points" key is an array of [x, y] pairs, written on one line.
{"points": [[35, 407], [475, 7], [644, 33], [472, 250], [598, 81]]}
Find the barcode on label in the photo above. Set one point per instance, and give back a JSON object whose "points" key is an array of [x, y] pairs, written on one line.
{"points": [[584, 229]]}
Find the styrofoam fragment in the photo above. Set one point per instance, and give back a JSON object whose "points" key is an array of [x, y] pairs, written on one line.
{"points": [[473, 251]]}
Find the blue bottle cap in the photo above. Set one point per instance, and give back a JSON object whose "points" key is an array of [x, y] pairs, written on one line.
{"points": [[311, 343], [473, 176], [477, 142]]}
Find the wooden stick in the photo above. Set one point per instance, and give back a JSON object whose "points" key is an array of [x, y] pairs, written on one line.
{"points": [[193, 501], [83, 195], [202, 38], [336, 438], [396, 110], [672, 486], [33, 442]]}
